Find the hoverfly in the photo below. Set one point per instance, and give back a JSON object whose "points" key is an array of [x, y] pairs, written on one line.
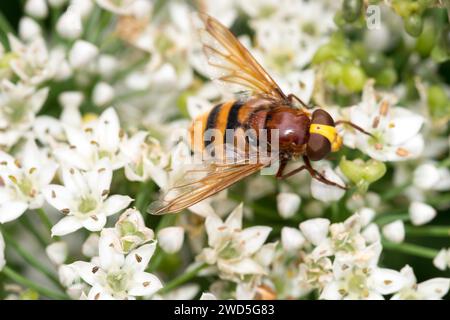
{"points": [[311, 136]]}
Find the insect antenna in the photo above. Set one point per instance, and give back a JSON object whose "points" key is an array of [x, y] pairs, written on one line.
{"points": [[354, 126]]}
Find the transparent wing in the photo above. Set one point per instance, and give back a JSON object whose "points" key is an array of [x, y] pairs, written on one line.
{"points": [[232, 63], [208, 178]]}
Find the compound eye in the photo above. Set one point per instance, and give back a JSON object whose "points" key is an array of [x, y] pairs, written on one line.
{"points": [[318, 147], [322, 117]]}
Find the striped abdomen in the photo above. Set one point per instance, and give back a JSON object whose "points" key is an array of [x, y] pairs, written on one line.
{"points": [[232, 115]]}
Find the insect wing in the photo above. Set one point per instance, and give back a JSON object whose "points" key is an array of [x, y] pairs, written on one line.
{"points": [[230, 62]]}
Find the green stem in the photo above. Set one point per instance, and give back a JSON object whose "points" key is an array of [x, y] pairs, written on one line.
{"points": [[185, 277], [429, 231], [393, 192], [411, 249], [46, 221], [388, 218], [5, 26], [144, 195], [30, 227], [31, 259], [11, 274], [156, 260]]}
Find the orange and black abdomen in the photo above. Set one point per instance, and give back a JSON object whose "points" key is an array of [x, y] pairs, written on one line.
{"points": [[230, 115]]}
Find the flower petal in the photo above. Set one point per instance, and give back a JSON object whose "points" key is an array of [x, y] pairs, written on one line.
{"points": [[115, 204], [139, 258], [144, 284], [11, 210], [95, 222], [434, 288], [65, 226], [253, 238], [387, 281]]}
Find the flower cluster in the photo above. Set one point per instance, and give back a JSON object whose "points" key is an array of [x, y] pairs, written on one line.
{"points": [[96, 98]]}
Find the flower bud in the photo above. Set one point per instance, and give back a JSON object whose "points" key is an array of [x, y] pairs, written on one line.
{"points": [[287, 204], [421, 213], [362, 173], [315, 230], [353, 78], [36, 8], [291, 239], [351, 10], [69, 24], [84, 7], [103, 94], [394, 231], [442, 259], [82, 53], [438, 101], [371, 233], [171, 239], [414, 24], [57, 252], [29, 29]]}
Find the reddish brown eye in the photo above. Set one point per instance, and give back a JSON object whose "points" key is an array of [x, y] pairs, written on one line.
{"points": [[318, 147]]}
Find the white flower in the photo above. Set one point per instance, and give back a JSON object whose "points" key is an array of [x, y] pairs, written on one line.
{"points": [[19, 105], [129, 232], [57, 252], [346, 237], [99, 139], [366, 215], [103, 94], [69, 24], [288, 204], [24, 178], [433, 289], [233, 249], [421, 213], [138, 8], [84, 199], [2, 252], [291, 239], [36, 8], [33, 63], [315, 230], [171, 239], [325, 192], [107, 65], [116, 276], [362, 280], [426, 176], [146, 159], [372, 233], [395, 129], [29, 29], [82, 53], [394, 231], [442, 259]]}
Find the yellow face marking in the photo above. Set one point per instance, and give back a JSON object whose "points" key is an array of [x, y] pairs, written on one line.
{"points": [[329, 132]]}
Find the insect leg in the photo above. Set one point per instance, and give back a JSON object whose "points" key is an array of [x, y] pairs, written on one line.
{"points": [[320, 177], [280, 174], [291, 97], [354, 126]]}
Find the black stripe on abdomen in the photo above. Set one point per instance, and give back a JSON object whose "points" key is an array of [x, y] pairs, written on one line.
{"points": [[233, 117], [232, 120], [212, 120]]}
